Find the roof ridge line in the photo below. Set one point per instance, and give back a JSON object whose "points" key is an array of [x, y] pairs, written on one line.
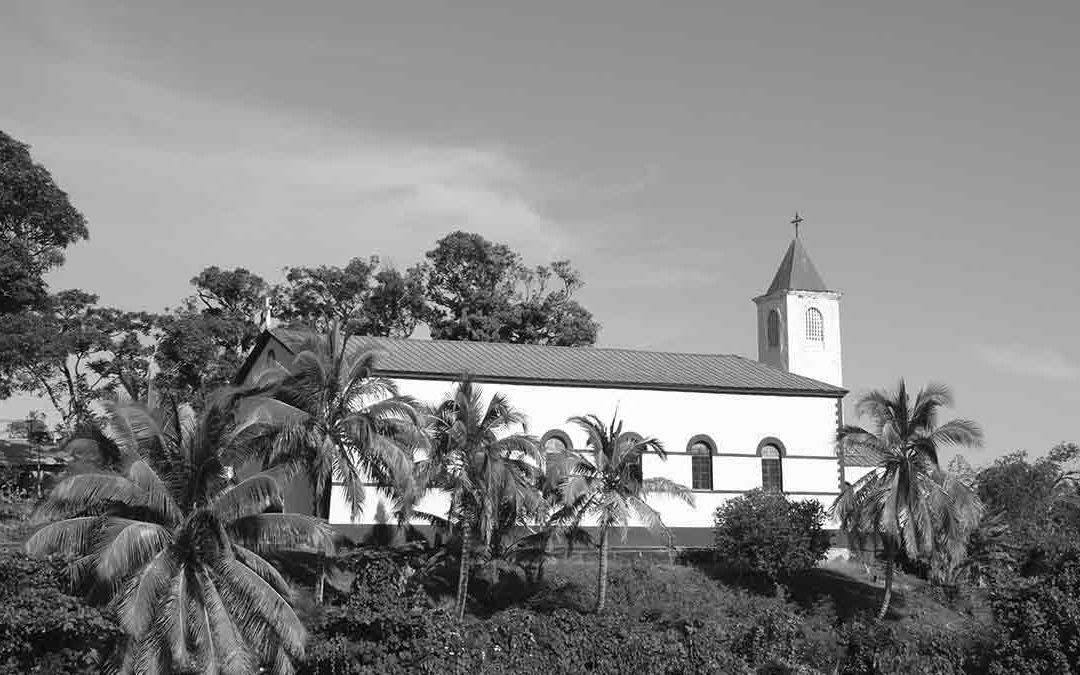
{"points": [[529, 345]]}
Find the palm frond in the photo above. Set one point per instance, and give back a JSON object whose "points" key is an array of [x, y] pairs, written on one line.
{"points": [[70, 537], [274, 532], [131, 548], [662, 487], [253, 495], [230, 648], [90, 492], [263, 615]]}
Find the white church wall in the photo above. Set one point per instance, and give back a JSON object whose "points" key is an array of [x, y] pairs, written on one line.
{"points": [[737, 423], [817, 360]]}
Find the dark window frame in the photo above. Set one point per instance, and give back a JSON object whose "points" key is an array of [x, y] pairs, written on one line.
{"points": [[772, 468], [701, 463], [772, 329]]}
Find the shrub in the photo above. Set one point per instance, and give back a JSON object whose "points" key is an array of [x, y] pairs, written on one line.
{"points": [[769, 536], [42, 628], [1039, 622]]}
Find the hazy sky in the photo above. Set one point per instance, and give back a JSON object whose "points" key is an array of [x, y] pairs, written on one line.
{"points": [[931, 146]]}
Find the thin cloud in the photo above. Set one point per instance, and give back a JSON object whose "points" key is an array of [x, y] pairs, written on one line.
{"points": [[1032, 362]]}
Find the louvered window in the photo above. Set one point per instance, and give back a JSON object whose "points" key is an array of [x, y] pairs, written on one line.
{"points": [[815, 325]]}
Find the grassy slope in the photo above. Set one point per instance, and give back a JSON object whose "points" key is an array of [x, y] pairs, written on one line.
{"points": [[688, 591]]}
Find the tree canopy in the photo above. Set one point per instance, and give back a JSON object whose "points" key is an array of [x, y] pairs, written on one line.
{"points": [[37, 222], [479, 290], [364, 298], [73, 353]]}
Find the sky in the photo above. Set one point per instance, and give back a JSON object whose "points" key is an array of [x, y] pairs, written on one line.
{"points": [[931, 147]]}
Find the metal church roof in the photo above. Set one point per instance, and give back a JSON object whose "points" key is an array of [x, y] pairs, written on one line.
{"points": [[571, 366]]}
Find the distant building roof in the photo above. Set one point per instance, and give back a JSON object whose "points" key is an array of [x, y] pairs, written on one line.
{"points": [[796, 272], [570, 366], [16, 453]]}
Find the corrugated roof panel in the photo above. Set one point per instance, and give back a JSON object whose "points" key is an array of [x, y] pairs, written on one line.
{"points": [[580, 366]]}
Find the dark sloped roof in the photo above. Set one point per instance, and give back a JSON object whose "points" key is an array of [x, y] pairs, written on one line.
{"points": [[863, 457], [575, 366], [796, 272]]}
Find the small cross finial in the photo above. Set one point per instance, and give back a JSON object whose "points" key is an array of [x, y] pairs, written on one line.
{"points": [[795, 221]]}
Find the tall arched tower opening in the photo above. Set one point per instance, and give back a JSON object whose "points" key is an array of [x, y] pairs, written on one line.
{"points": [[799, 320]]}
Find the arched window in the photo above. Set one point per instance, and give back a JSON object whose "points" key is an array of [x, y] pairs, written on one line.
{"points": [[271, 357], [701, 449], [556, 444], [772, 472], [630, 438], [556, 441], [815, 325], [772, 329]]}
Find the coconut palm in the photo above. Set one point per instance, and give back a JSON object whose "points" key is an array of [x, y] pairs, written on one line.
{"points": [[908, 501], [178, 545], [345, 423], [609, 487], [478, 458]]}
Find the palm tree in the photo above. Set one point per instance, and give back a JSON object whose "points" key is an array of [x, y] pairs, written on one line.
{"points": [[178, 545], [476, 456], [610, 488], [908, 500], [345, 423]]}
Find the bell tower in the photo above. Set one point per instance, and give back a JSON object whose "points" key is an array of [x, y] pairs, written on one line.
{"points": [[799, 319]]}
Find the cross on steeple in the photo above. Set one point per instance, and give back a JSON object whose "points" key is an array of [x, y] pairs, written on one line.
{"points": [[795, 221]]}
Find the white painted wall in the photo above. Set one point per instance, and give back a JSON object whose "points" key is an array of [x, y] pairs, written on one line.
{"points": [[737, 423]]}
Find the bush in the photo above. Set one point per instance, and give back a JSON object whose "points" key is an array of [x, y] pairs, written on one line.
{"points": [[42, 628], [1039, 622], [769, 536]]}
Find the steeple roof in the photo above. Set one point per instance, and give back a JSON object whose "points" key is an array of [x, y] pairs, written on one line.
{"points": [[797, 272]]}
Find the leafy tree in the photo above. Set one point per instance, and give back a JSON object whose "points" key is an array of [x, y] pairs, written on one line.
{"points": [[37, 222], [479, 290], [361, 297], [74, 354], [907, 501], [346, 423], [1037, 501], [476, 457], [203, 342], [236, 292], [610, 488], [178, 545], [770, 536]]}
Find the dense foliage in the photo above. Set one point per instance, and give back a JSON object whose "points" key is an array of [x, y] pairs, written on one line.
{"points": [[43, 629], [660, 620], [770, 536]]}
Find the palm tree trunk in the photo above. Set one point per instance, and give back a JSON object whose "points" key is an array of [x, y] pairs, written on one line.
{"points": [[322, 510], [888, 585], [463, 573], [543, 559], [601, 577]]}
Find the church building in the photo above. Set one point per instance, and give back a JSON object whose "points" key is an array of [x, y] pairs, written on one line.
{"points": [[728, 423]]}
